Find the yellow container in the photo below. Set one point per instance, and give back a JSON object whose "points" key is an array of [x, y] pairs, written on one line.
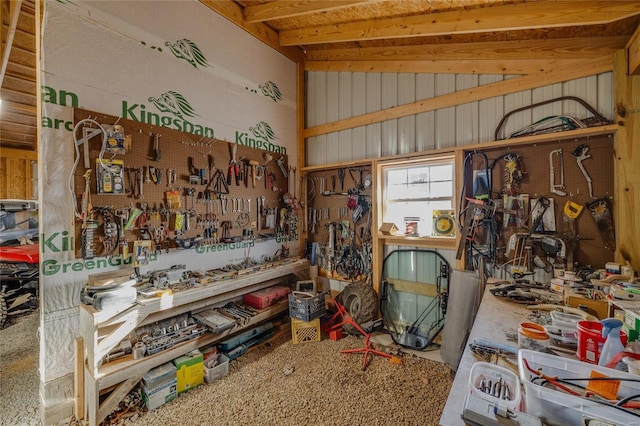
{"points": [[190, 371], [302, 331]]}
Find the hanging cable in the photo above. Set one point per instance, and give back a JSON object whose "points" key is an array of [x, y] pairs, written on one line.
{"points": [[77, 142]]}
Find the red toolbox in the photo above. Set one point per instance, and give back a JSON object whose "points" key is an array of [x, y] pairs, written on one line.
{"points": [[266, 297]]}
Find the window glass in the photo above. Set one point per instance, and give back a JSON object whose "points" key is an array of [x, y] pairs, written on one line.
{"points": [[417, 195]]}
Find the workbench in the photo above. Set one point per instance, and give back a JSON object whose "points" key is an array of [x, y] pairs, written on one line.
{"points": [[495, 318]]}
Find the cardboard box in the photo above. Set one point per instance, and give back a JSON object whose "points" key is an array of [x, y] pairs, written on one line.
{"points": [[632, 319], [632, 333], [158, 377], [160, 396], [190, 371], [599, 308], [159, 386]]}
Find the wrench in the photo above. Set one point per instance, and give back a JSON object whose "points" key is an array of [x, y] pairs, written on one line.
{"points": [[283, 169]]}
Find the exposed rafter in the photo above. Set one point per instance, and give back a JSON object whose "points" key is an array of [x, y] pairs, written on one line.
{"points": [[14, 14], [575, 48], [463, 66], [280, 9], [521, 16]]}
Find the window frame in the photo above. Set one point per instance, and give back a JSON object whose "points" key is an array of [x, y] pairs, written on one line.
{"points": [[446, 242]]}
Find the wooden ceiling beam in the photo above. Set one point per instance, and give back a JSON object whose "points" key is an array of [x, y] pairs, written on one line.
{"points": [[20, 154], [557, 75], [503, 67], [520, 16], [233, 12], [564, 48], [14, 14], [18, 106], [280, 9]]}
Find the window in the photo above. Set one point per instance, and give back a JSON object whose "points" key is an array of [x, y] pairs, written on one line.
{"points": [[418, 197]]}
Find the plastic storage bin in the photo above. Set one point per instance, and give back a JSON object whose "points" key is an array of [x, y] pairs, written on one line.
{"points": [[303, 331], [306, 306], [565, 320], [221, 369], [559, 408], [494, 373]]}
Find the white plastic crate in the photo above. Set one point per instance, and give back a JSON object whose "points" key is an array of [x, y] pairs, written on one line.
{"points": [[495, 373], [560, 408], [221, 369]]}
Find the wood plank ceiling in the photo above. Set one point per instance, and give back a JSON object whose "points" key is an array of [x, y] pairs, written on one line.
{"points": [[18, 117], [429, 36]]}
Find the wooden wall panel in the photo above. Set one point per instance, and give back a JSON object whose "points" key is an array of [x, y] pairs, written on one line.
{"points": [[16, 178]]}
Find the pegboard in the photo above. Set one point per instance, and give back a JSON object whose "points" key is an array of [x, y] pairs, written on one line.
{"points": [[187, 164], [328, 194], [535, 164]]}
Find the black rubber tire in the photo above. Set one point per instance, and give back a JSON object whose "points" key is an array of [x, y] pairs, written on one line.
{"points": [[361, 302], [3, 310]]}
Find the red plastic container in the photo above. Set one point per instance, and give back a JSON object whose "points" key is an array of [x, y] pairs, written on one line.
{"points": [[266, 297], [590, 341]]}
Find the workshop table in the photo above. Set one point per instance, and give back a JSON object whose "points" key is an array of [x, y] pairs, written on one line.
{"points": [[494, 319]]}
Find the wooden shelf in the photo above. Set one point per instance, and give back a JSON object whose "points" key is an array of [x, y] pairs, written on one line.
{"points": [[433, 242], [117, 371], [102, 331]]}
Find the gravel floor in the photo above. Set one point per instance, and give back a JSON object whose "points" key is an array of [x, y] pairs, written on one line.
{"points": [[19, 382], [275, 384], [312, 384]]}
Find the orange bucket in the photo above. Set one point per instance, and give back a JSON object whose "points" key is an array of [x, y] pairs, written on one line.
{"points": [[532, 336]]}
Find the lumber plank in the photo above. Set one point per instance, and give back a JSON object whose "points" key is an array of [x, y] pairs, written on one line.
{"points": [[511, 17], [545, 49], [280, 9], [626, 160], [633, 49]]}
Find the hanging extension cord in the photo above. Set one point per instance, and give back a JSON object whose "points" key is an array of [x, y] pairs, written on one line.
{"points": [[90, 134]]}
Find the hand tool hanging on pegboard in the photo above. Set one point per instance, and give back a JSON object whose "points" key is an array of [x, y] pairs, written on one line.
{"points": [[234, 167], [556, 188], [580, 154], [601, 213], [570, 213], [513, 172]]}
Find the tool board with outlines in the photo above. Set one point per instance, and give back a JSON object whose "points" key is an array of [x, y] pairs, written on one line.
{"points": [[171, 189]]}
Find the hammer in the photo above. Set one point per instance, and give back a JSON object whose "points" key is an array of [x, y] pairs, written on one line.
{"points": [[253, 164]]}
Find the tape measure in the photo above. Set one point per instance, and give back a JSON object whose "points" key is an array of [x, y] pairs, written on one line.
{"points": [[443, 223], [572, 209]]}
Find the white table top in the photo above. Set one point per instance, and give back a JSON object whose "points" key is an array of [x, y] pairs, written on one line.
{"points": [[495, 317]]}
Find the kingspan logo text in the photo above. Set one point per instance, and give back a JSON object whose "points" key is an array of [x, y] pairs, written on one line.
{"points": [[264, 134], [242, 138], [169, 102]]}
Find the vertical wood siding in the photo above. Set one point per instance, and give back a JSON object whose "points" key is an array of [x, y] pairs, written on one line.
{"points": [[333, 96]]}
